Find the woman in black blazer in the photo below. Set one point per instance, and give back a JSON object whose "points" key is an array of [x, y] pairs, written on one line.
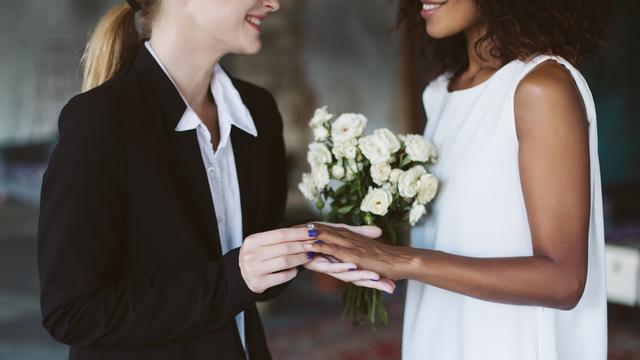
{"points": [[130, 256]]}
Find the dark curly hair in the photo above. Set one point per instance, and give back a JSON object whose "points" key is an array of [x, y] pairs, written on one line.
{"points": [[517, 29]]}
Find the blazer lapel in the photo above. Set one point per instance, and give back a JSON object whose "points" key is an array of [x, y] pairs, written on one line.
{"points": [[247, 157], [245, 150], [185, 159]]}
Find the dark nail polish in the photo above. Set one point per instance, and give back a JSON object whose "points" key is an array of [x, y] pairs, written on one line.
{"points": [[375, 280], [311, 255], [353, 269], [319, 242], [313, 233]]}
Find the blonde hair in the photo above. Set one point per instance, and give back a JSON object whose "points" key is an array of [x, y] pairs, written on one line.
{"points": [[114, 42]]}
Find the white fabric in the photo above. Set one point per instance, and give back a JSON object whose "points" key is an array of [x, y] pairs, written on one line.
{"points": [[480, 212], [220, 164]]}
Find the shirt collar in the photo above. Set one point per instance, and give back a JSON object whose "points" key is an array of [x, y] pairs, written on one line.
{"points": [[231, 108]]}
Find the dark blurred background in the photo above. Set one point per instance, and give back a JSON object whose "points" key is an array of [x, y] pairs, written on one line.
{"points": [[317, 52]]}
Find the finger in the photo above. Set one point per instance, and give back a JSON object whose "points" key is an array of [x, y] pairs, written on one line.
{"points": [[358, 275], [283, 263], [338, 236], [279, 278], [327, 249], [321, 265], [282, 249], [279, 236], [369, 231], [389, 281], [379, 285]]}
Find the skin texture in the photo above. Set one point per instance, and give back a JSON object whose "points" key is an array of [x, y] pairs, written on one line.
{"points": [[207, 30], [552, 130]]}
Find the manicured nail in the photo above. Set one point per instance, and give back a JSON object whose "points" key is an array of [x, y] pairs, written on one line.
{"points": [[312, 233], [311, 255], [376, 280], [319, 242], [353, 269]]}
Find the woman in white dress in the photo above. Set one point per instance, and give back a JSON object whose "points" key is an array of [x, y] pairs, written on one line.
{"points": [[510, 264]]}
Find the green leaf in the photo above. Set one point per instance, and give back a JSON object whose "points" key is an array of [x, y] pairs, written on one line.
{"points": [[345, 209]]}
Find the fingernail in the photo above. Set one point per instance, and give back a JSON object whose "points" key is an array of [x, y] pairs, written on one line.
{"points": [[319, 242], [312, 233], [376, 280], [353, 269], [311, 255]]}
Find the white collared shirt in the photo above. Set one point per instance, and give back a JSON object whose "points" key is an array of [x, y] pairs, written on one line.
{"points": [[220, 164]]}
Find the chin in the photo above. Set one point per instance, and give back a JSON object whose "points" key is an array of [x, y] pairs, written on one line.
{"points": [[249, 48], [437, 32], [254, 49]]}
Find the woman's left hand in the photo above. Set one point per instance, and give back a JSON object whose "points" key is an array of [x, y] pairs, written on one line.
{"points": [[364, 252], [346, 271]]}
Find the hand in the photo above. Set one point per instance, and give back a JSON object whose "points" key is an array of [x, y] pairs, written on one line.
{"points": [[348, 272], [352, 246], [271, 258]]}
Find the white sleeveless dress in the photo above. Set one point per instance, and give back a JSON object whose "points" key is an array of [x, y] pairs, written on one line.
{"points": [[480, 212]]}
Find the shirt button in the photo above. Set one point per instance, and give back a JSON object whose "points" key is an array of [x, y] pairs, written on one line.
{"points": [[211, 171]]}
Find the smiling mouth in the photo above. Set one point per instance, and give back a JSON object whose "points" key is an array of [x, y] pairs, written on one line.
{"points": [[255, 21], [429, 8]]}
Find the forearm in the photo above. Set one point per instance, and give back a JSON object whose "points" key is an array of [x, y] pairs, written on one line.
{"points": [[148, 311], [535, 280]]}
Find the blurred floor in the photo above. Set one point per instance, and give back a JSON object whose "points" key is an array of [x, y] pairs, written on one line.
{"points": [[304, 323]]}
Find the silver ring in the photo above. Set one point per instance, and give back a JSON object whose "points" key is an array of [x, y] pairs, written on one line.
{"points": [[311, 226]]}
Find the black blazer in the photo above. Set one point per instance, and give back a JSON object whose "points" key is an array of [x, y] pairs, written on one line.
{"points": [[128, 248]]}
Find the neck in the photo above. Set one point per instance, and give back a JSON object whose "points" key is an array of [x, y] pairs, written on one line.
{"points": [[480, 58], [190, 65]]}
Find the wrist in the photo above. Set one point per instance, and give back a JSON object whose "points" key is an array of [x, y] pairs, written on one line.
{"points": [[411, 261]]}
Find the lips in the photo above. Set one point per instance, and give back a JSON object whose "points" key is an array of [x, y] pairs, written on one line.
{"points": [[255, 21], [430, 7]]}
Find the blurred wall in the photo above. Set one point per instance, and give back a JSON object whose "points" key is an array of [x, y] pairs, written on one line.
{"points": [[41, 43]]}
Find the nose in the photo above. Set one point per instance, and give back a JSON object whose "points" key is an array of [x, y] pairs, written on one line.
{"points": [[272, 5]]}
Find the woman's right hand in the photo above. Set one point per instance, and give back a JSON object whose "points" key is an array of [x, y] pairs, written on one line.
{"points": [[271, 258]]}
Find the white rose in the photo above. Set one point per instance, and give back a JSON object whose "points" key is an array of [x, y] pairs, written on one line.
{"points": [[320, 133], [377, 202], [347, 149], [320, 177], [380, 173], [318, 155], [389, 140], [395, 175], [427, 188], [419, 149], [320, 118], [308, 188], [374, 150], [409, 181], [390, 187], [348, 126], [337, 171], [416, 213]]}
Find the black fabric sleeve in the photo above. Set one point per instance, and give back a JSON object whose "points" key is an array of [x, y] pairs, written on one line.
{"points": [[274, 216], [86, 300]]}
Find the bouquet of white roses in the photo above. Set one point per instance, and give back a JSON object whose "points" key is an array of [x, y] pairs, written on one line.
{"points": [[379, 179]]}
